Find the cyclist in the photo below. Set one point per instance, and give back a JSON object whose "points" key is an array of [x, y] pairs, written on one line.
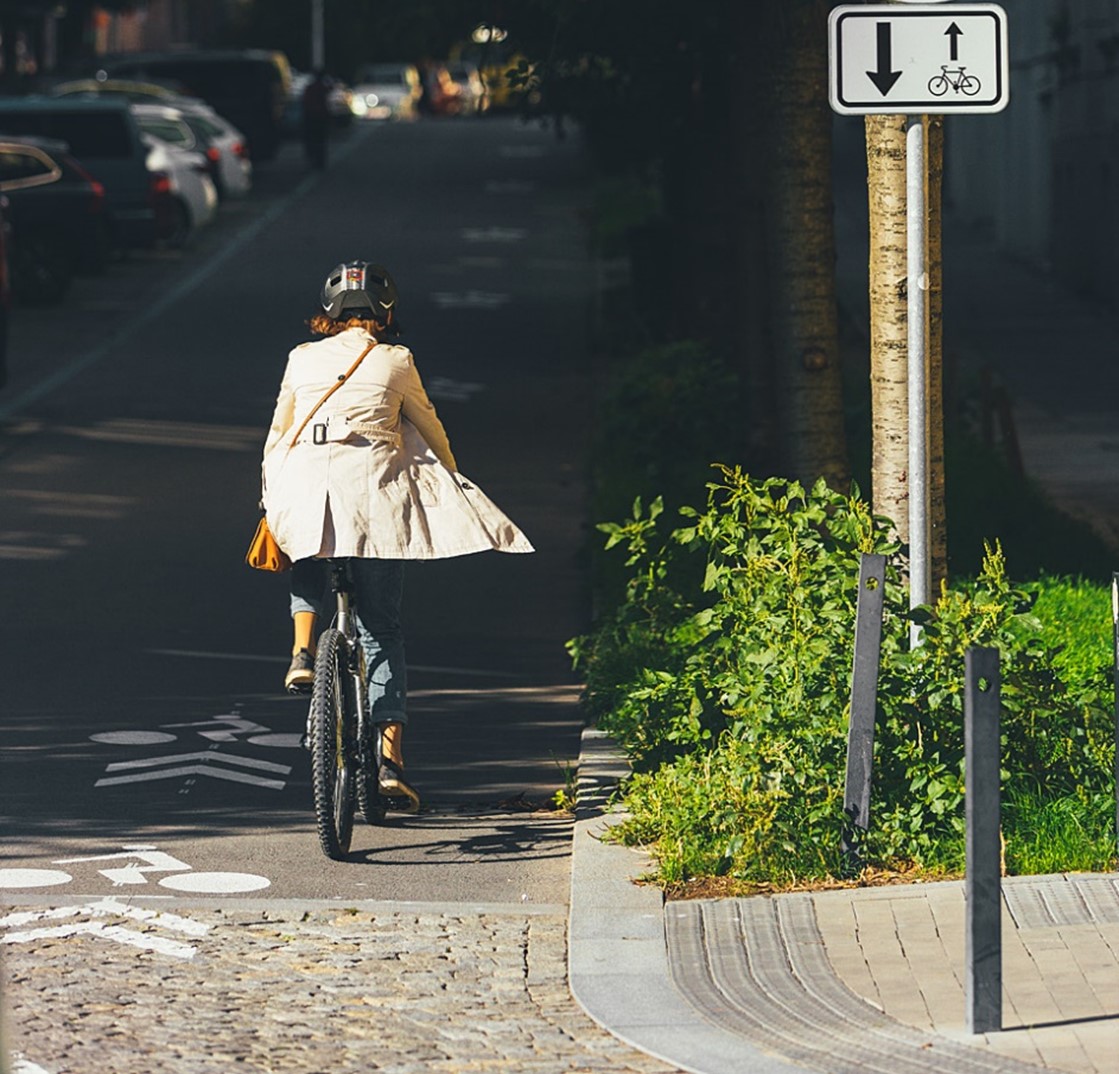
{"points": [[357, 465]]}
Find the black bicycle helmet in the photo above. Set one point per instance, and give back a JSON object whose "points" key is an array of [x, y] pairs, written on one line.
{"points": [[359, 287]]}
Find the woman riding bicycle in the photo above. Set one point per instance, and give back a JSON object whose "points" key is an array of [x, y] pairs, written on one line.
{"points": [[357, 466]]}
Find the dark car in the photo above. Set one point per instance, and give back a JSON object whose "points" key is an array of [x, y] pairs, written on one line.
{"points": [[249, 87], [56, 216], [104, 137]]}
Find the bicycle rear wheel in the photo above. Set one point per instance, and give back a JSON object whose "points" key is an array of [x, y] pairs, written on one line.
{"points": [[333, 747]]}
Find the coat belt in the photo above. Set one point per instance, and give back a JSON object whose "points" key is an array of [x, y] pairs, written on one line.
{"points": [[321, 433]]}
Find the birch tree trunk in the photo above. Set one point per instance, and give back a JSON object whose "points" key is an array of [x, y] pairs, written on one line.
{"points": [[801, 243], [889, 320], [889, 384]]}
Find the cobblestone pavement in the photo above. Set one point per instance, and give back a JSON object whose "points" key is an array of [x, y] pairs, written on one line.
{"points": [[307, 989]]}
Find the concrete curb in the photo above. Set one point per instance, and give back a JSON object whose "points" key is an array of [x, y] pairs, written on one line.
{"points": [[617, 957]]}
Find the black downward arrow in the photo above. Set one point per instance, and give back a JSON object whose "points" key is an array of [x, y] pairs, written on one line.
{"points": [[955, 33], [884, 78]]}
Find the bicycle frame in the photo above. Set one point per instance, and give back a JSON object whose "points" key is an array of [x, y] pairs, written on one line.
{"points": [[345, 622]]}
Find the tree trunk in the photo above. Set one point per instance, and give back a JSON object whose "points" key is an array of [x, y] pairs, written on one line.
{"points": [[889, 320], [889, 384], [802, 252]]}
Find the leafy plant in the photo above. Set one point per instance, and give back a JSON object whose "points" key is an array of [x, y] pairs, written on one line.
{"points": [[724, 673]]}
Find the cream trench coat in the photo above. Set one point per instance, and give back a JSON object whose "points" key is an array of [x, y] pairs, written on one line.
{"points": [[372, 474]]}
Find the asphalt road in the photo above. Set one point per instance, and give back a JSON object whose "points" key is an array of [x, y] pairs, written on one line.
{"points": [[145, 731]]}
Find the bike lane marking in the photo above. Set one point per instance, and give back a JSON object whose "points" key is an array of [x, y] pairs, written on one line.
{"points": [[138, 861], [108, 907]]}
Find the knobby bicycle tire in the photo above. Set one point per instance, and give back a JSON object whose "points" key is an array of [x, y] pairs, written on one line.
{"points": [[333, 727]]}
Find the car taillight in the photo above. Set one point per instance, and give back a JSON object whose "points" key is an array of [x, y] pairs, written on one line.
{"points": [[241, 150], [97, 202], [213, 154], [160, 184]]}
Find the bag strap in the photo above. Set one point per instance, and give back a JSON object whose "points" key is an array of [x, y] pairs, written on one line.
{"points": [[334, 387]]}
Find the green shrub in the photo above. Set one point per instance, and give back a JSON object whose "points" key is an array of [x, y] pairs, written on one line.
{"points": [[724, 673]]}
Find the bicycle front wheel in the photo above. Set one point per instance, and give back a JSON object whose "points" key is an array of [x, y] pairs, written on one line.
{"points": [[333, 747], [938, 86]]}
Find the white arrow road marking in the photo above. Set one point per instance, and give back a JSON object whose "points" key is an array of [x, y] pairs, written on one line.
{"points": [[235, 725], [116, 933], [204, 768], [133, 872]]}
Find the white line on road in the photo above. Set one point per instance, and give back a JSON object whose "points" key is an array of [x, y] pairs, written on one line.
{"points": [[204, 756], [194, 770]]}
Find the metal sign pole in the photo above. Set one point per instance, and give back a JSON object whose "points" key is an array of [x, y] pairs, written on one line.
{"points": [[917, 290]]}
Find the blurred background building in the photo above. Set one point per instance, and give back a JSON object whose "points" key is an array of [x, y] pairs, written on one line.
{"points": [[1043, 176]]}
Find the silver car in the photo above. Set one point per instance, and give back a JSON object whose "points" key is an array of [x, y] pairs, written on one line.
{"points": [[387, 91]]}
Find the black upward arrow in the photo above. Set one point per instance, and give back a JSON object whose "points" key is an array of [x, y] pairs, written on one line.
{"points": [[955, 33], [884, 78]]}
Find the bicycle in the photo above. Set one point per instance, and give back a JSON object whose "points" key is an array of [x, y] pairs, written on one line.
{"points": [[345, 747], [958, 80]]}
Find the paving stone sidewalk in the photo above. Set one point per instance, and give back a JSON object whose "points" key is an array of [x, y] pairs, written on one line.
{"points": [[308, 990]]}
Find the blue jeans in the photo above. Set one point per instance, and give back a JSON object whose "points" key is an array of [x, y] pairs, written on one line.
{"points": [[379, 588]]}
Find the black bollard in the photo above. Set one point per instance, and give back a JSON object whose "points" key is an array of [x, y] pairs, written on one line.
{"points": [[864, 702], [983, 954]]}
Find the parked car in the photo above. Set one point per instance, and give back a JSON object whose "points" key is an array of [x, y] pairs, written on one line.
{"points": [[104, 137], [56, 216], [183, 194], [197, 127], [249, 87], [387, 91], [133, 91]]}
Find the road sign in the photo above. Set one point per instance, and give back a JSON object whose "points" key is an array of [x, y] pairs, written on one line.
{"points": [[885, 58]]}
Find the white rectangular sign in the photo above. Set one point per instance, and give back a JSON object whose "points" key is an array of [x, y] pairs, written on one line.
{"points": [[918, 59]]}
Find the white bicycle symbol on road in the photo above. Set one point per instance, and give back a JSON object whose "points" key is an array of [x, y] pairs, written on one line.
{"points": [[957, 79]]}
